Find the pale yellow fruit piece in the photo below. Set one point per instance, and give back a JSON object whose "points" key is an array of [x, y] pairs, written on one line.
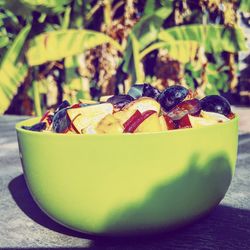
{"points": [[81, 122], [124, 115], [109, 125], [70, 132], [151, 124], [90, 130], [214, 116], [105, 98], [197, 122], [85, 101], [143, 104], [163, 123], [97, 111]]}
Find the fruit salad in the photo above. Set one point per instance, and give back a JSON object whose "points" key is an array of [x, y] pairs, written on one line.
{"points": [[143, 109]]}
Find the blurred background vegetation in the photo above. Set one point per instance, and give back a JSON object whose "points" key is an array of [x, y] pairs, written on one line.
{"points": [[52, 50]]}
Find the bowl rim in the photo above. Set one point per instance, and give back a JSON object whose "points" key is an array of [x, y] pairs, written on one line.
{"points": [[19, 129]]}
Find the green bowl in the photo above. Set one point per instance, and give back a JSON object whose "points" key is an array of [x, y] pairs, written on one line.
{"points": [[129, 183]]}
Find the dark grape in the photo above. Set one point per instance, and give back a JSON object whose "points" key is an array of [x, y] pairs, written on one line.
{"points": [[61, 121], [119, 101], [36, 127], [63, 105], [172, 96], [191, 107], [217, 104], [139, 90]]}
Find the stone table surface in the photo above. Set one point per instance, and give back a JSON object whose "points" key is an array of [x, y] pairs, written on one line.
{"points": [[24, 226]]}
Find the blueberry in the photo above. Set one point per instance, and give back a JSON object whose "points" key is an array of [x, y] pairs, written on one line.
{"points": [[217, 104], [172, 96]]}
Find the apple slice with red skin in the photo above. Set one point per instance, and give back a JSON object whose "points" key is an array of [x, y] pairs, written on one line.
{"points": [[184, 122], [76, 105], [47, 117], [231, 116], [169, 122], [191, 107], [132, 119], [136, 119]]}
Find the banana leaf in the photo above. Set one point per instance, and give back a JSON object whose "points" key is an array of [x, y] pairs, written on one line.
{"points": [[144, 33], [183, 51], [214, 38], [11, 76], [152, 5], [136, 59], [14, 51], [4, 40], [55, 45], [12, 73], [146, 30], [24, 8], [45, 3], [244, 5]]}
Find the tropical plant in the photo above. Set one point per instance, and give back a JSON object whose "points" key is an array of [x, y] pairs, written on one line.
{"points": [[75, 49]]}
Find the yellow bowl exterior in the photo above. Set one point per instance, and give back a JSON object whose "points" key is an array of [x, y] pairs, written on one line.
{"points": [[129, 183]]}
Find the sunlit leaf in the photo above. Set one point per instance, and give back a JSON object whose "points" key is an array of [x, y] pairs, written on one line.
{"points": [[25, 7], [139, 75], [149, 7], [183, 51], [4, 40], [214, 38], [46, 3], [14, 51], [145, 32], [211, 89], [55, 45], [11, 77], [244, 5], [12, 73]]}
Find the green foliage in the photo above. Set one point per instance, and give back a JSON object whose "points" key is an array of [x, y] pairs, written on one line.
{"points": [[12, 71], [4, 40], [24, 8], [49, 46], [244, 5], [183, 51], [214, 38], [144, 33], [44, 36]]}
